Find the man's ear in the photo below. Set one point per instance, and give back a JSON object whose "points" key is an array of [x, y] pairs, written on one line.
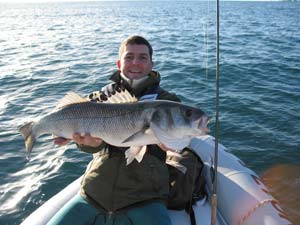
{"points": [[119, 64]]}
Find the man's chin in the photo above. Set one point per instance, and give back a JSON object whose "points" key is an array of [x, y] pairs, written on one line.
{"points": [[135, 76]]}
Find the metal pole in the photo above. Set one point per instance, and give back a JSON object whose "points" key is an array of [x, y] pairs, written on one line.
{"points": [[214, 194]]}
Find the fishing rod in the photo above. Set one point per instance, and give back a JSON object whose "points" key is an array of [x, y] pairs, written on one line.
{"points": [[214, 193]]}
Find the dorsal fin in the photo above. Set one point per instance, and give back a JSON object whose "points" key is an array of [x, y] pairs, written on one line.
{"points": [[121, 97], [69, 99]]}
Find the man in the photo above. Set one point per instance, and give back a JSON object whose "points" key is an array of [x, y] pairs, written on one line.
{"points": [[113, 192]]}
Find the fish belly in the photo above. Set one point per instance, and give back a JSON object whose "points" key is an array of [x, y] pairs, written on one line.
{"points": [[108, 124]]}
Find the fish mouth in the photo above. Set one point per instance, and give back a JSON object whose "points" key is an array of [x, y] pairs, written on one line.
{"points": [[202, 124]]}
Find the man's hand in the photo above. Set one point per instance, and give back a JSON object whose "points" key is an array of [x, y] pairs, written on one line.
{"points": [[170, 152], [87, 140], [165, 148], [61, 141]]}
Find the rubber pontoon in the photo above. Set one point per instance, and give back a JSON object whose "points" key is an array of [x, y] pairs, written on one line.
{"points": [[242, 198]]}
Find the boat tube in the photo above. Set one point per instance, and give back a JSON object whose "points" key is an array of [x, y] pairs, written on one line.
{"points": [[242, 197]]}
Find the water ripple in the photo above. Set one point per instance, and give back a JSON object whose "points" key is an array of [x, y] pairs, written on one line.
{"points": [[48, 50]]}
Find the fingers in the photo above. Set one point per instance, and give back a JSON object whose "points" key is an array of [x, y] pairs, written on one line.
{"points": [[165, 148], [170, 152], [61, 141], [87, 140]]}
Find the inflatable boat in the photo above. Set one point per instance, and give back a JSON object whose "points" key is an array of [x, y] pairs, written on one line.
{"points": [[242, 199]]}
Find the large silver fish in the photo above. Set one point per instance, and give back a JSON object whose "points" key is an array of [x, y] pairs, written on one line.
{"points": [[131, 124]]}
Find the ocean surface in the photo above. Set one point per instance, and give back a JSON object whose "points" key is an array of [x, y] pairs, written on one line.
{"points": [[47, 50]]}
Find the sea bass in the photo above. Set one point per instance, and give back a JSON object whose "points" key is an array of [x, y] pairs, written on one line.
{"points": [[121, 121]]}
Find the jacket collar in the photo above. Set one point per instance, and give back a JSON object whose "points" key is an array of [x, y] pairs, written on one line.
{"points": [[151, 83]]}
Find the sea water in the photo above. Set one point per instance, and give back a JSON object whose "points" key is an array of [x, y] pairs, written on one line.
{"points": [[47, 50]]}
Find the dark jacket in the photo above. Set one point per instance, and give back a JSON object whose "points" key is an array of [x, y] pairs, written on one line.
{"points": [[109, 183]]}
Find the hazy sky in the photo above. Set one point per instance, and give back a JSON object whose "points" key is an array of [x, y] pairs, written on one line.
{"points": [[20, 1], [12, 1], [41, 1]]}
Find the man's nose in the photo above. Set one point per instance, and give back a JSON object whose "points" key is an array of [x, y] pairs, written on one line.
{"points": [[135, 61]]}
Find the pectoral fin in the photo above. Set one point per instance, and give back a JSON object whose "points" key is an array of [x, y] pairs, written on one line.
{"points": [[135, 152], [174, 143], [140, 135]]}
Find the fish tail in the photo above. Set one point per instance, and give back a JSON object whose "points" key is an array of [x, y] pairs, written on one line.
{"points": [[29, 136]]}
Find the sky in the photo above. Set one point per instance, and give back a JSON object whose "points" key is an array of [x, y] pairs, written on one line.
{"points": [[41, 1]]}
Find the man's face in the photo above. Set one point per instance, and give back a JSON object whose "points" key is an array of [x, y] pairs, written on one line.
{"points": [[135, 61]]}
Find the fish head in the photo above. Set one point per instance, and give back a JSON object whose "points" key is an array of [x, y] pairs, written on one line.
{"points": [[194, 119], [181, 120]]}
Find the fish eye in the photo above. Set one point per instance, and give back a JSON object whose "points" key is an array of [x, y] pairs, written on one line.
{"points": [[188, 113]]}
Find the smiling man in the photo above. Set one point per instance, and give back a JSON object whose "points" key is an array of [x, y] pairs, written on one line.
{"points": [[135, 60], [111, 191]]}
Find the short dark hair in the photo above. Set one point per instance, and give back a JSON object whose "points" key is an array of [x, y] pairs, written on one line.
{"points": [[135, 40]]}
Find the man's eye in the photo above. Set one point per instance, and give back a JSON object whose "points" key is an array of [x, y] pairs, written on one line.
{"points": [[128, 57], [144, 58]]}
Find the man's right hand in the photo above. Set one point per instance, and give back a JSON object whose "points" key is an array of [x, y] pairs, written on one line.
{"points": [[86, 139]]}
